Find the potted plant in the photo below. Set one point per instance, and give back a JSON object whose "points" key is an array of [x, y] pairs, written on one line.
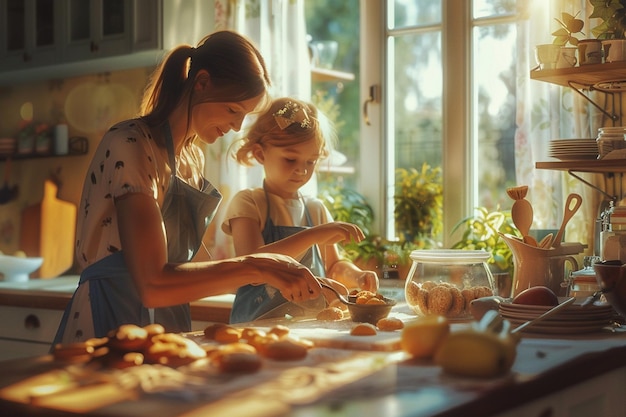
{"points": [[418, 202], [481, 232], [570, 25], [613, 16], [347, 205]]}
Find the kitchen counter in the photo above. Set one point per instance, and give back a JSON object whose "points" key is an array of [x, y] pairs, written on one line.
{"points": [[55, 293], [568, 375]]}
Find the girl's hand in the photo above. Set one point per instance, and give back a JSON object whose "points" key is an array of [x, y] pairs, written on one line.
{"points": [[368, 280], [294, 281], [335, 232]]}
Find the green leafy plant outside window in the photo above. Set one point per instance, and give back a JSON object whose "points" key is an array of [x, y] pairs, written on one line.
{"points": [[481, 232]]}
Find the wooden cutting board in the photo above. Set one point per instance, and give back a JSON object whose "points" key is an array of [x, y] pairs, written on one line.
{"points": [[48, 230]]}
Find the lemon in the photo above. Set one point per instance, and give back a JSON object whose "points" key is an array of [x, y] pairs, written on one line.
{"points": [[422, 337], [474, 354]]}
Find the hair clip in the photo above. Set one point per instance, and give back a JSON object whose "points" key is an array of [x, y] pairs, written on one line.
{"points": [[292, 113]]}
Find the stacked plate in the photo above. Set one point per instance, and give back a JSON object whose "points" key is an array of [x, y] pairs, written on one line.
{"points": [[573, 319], [574, 149]]}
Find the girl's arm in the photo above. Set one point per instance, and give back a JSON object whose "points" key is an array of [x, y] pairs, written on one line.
{"points": [[247, 240], [247, 237]]}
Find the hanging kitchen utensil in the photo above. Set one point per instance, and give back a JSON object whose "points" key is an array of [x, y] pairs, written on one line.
{"points": [[546, 241], [8, 192], [572, 204], [522, 212]]}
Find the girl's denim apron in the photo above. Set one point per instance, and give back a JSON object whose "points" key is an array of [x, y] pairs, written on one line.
{"points": [[254, 302]]}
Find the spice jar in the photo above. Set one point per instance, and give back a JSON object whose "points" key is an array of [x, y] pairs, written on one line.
{"points": [[444, 282], [582, 283]]}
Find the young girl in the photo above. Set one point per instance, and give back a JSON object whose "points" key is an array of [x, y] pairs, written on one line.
{"points": [[288, 140]]}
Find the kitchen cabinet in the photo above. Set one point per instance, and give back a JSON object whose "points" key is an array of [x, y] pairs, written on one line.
{"points": [[31, 33], [26, 331], [43, 39], [100, 29], [599, 396]]}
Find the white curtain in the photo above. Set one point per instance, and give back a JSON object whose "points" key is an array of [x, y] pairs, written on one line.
{"points": [[278, 29], [549, 112]]}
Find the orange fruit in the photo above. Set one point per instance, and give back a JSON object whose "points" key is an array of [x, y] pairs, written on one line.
{"points": [[422, 337]]}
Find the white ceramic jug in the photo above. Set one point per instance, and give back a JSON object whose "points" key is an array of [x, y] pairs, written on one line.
{"points": [[536, 266]]}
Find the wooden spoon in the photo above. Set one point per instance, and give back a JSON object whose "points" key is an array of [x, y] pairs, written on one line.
{"points": [[546, 241], [572, 204], [521, 211]]}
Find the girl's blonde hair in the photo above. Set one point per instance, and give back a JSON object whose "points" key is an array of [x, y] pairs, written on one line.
{"points": [[275, 128]]}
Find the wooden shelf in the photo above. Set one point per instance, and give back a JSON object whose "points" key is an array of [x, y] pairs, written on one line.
{"points": [[602, 166], [587, 75], [22, 157], [323, 74]]}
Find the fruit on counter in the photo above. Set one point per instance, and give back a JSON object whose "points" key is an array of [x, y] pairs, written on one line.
{"points": [[539, 295], [486, 349], [421, 338]]}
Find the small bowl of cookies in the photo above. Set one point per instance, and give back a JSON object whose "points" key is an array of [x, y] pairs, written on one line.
{"points": [[369, 307]]}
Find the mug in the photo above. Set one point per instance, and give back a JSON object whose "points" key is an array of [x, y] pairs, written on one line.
{"points": [[546, 55], [590, 51], [567, 57], [614, 50]]}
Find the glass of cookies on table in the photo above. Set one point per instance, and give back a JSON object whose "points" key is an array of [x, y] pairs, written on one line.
{"points": [[445, 282]]}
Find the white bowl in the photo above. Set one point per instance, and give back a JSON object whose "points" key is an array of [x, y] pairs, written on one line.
{"points": [[17, 269]]}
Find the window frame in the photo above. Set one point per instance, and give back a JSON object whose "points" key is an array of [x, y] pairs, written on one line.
{"points": [[377, 182]]}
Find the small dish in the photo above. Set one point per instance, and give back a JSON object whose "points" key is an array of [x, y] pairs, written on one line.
{"points": [[17, 269]]}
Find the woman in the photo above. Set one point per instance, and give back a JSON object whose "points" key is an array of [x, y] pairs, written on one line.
{"points": [[145, 205]]}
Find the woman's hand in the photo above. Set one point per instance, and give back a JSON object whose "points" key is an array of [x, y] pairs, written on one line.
{"points": [[294, 281]]}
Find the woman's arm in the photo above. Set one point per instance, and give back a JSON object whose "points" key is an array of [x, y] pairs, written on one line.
{"points": [[142, 235]]}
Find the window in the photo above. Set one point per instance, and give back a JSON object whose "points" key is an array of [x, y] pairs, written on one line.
{"points": [[446, 73]]}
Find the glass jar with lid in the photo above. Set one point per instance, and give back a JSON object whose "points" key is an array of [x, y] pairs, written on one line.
{"points": [[444, 282], [583, 283]]}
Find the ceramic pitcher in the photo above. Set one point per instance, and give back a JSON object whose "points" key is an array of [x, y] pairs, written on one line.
{"points": [[538, 266]]}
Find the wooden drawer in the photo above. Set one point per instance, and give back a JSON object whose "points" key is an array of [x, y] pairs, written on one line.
{"points": [[32, 324]]}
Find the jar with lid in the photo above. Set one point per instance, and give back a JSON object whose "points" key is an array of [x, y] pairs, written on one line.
{"points": [[583, 283], [444, 282]]}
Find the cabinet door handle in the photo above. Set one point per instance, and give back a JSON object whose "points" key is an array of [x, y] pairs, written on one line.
{"points": [[32, 322]]}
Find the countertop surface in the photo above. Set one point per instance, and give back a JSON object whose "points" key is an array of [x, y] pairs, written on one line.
{"points": [[55, 293], [329, 382]]}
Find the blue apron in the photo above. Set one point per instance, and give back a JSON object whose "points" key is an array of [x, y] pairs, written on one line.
{"points": [[114, 300], [254, 302]]}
